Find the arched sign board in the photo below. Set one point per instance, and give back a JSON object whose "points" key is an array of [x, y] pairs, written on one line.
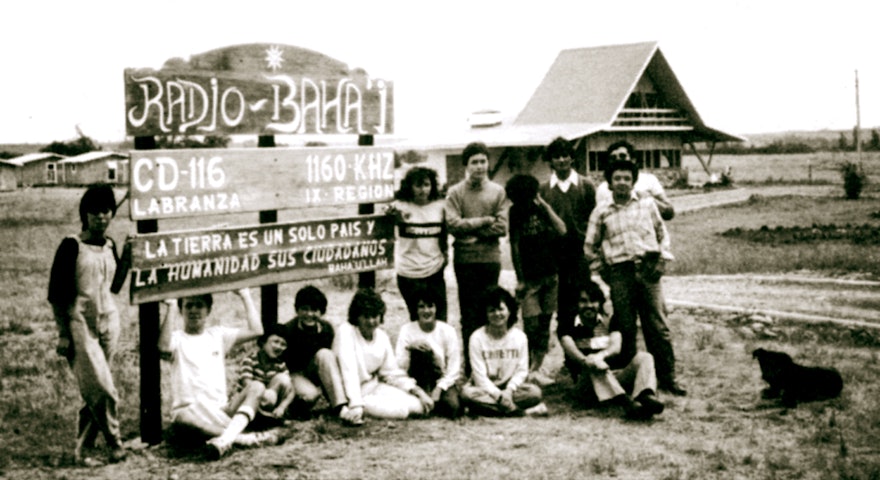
{"points": [[261, 89]]}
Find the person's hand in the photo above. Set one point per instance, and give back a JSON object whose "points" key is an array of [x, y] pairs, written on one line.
{"points": [[436, 393], [425, 399], [595, 363], [420, 345], [496, 227], [506, 400], [395, 212], [279, 412], [63, 348]]}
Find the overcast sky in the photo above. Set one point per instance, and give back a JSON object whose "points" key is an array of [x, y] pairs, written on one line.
{"points": [[747, 66]]}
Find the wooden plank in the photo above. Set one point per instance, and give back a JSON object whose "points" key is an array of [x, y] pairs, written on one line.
{"points": [[260, 89], [174, 264], [189, 183]]}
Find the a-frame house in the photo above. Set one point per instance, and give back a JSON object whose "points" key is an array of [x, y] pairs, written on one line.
{"points": [[594, 97]]}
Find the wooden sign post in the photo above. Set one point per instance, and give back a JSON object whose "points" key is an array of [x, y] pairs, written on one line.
{"points": [[263, 90]]}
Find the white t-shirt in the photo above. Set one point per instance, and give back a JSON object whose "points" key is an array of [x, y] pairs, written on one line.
{"points": [[418, 249], [443, 341], [647, 182], [198, 366]]}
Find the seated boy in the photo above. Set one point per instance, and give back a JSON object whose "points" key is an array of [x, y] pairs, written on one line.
{"points": [[312, 364], [430, 352], [267, 367], [589, 349], [198, 375]]}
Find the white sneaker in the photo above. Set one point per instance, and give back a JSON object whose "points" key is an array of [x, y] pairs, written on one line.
{"points": [[216, 450], [539, 410], [349, 417]]}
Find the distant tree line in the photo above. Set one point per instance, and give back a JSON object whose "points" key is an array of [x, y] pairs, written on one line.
{"points": [[804, 144]]}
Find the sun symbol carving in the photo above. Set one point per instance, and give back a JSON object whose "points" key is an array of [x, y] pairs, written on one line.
{"points": [[273, 57]]}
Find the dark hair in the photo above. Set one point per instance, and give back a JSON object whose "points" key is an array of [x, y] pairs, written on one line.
{"points": [[522, 189], [473, 148], [310, 296], [414, 176], [99, 197], [558, 148], [594, 292], [494, 296], [205, 297], [276, 330], [630, 149], [615, 165], [366, 303], [422, 293]]}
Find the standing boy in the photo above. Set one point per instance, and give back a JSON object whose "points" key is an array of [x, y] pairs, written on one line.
{"points": [[533, 227], [646, 185], [628, 246], [198, 374], [476, 214], [572, 197]]}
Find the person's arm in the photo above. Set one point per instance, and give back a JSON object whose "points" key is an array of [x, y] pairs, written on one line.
{"points": [[123, 266], [401, 350], [662, 234], [452, 370], [254, 325], [166, 328], [346, 354], [557, 222], [393, 375], [514, 251], [498, 226], [521, 372], [479, 372], [457, 223], [62, 291], [285, 402], [593, 242]]}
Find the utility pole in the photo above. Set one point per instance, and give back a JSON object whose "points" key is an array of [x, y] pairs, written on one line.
{"points": [[858, 123]]}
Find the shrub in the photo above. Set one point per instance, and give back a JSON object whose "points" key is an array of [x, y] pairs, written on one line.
{"points": [[854, 179]]}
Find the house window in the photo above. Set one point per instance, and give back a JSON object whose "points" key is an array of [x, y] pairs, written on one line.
{"points": [[50, 172], [73, 168], [111, 174]]}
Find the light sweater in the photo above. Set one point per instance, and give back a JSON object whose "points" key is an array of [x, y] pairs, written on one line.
{"points": [[419, 236], [496, 362], [361, 360], [465, 204], [444, 343]]}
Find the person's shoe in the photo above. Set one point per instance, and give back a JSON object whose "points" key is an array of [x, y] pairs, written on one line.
{"points": [[88, 462], [215, 450], [673, 387], [349, 418], [539, 410], [117, 455], [268, 438], [538, 378], [650, 403]]}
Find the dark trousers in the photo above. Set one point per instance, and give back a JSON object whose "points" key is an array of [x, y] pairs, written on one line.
{"points": [[424, 369], [572, 267], [633, 298], [473, 279], [409, 286]]}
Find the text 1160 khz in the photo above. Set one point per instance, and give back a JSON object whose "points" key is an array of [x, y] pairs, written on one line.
{"points": [[166, 174]]}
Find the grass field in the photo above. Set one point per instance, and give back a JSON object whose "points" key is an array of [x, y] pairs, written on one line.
{"points": [[820, 167], [720, 430]]}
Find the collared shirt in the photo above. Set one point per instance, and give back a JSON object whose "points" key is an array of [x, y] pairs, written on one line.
{"points": [[620, 233], [564, 185]]}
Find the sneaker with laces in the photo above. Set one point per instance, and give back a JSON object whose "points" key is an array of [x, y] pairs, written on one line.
{"points": [[350, 418], [539, 410]]}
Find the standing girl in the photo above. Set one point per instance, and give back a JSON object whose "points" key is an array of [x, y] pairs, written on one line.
{"points": [[421, 239], [88, 321]]}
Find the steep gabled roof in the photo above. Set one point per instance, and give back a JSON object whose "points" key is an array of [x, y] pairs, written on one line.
{"points": [[592, 85], [34, 157], [91, 156]]}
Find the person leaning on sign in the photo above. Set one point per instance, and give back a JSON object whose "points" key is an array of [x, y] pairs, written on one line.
{"points": [[81, 285], [628, 246], [422, 243], [476, 213], [198, 374]]}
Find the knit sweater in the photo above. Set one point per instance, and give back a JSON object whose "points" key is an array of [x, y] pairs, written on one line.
{"points": [[573, 207], [465, 205]]}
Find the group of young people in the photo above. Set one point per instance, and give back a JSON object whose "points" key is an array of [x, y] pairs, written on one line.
{"points": [[566, 237]]}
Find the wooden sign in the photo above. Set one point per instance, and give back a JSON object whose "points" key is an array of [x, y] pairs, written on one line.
{"points": [[263, 89], [189, 183], [175, 264]]}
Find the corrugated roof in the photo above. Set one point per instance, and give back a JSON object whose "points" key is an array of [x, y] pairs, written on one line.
{"points": [[592, 85], [34, 157], [91, 156]]}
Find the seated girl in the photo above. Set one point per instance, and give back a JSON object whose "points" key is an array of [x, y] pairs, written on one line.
{"points": [[374, 384], [499, 356], [430, 352]]}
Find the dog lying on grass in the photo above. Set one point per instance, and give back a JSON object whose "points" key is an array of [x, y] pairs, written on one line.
{"points": [[795, 383]]}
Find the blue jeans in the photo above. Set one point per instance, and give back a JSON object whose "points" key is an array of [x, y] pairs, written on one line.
{"points": [[634, 298]]}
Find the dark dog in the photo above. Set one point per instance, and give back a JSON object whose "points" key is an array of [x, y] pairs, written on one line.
{"points": [[795, 383]]}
